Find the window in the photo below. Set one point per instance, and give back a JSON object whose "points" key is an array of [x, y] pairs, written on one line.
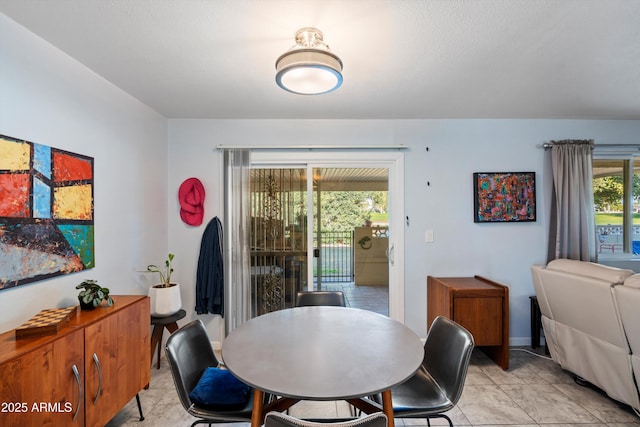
{"points": [[616, 191]]}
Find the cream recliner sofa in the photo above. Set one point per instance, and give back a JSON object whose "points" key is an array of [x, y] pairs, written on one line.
{"points": [[591, 321]]}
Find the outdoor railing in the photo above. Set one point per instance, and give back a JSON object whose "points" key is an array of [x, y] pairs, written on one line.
{"points": [[611, 239], [336, 255]]}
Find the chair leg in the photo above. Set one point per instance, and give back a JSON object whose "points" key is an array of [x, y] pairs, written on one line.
{"points": [[139, 407], [440, 416]]}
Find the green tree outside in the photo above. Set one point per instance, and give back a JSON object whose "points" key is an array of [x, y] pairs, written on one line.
{"points": [[344, 210], [608, 193]]}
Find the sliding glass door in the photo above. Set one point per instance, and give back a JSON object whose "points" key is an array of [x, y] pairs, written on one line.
{"points": [[350, 234], [278, 237], [325, 225]]}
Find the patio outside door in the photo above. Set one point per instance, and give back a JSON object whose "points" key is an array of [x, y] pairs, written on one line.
{"points": [[286, 235], [346, 247], [350, 235]]}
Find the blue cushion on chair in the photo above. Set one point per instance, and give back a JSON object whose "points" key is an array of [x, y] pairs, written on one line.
{"points": [[218, 387]]}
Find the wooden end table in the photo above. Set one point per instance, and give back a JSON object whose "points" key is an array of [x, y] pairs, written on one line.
{"points": [[478, 304]]}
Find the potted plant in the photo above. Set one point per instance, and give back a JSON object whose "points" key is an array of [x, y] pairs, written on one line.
{"points": [[165, 296], [92, 295]]}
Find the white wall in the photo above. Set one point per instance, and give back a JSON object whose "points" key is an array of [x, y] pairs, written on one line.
{"points": [[48, 98], [457, 149]]}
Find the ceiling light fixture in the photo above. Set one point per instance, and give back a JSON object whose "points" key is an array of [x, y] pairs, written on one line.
{"points": [[309, 67]]}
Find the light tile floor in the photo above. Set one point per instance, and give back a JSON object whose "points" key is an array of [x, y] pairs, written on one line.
{"points": [[372, 298], [533, 392]]}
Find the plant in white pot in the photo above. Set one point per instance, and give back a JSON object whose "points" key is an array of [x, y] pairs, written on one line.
{"points": [[165, 296]]}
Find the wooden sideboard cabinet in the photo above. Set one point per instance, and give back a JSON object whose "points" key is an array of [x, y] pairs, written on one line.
{"points": [[83, 375], [478, 304]]}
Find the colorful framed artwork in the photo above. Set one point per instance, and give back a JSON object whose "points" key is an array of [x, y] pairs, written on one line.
{"points": [[504, 196], [46, 212]]}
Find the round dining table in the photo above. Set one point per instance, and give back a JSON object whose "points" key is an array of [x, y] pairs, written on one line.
{"points": [[322, 353]]}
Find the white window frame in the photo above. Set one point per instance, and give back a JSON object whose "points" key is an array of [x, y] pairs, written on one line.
{"points": [[393, 160], [627, 154]]}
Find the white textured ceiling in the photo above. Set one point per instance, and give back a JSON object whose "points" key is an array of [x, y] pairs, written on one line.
{"points": [[402, 58]]}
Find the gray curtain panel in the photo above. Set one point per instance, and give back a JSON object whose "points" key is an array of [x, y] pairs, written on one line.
{"points": [[572, 220], [237, 164]]}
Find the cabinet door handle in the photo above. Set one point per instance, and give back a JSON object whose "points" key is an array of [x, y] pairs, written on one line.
{"points": [[97, 363], [74, 368]]}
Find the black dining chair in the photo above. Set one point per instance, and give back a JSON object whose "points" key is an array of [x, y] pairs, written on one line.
{"points": [[332, 298], [277, 419], [189, 354], [437, 385]]}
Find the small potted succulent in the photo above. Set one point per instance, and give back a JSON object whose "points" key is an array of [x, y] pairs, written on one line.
{"points": [[165, 296], [92, 295]]}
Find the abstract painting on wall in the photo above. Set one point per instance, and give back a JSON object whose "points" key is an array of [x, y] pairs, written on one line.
{"points": [[46, 212], [504, 196]]}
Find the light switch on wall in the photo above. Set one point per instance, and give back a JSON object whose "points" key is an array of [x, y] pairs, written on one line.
{"points": [[428, 236]]}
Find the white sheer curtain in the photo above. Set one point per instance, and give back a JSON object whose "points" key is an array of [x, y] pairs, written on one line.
{"points": [[236, 237], [572, 222]]}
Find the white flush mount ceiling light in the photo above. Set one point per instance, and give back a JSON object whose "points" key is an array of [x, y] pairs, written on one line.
{"points": [[309, 67]]}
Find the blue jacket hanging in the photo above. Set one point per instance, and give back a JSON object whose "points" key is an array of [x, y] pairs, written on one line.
{"points": [[210, 275]]}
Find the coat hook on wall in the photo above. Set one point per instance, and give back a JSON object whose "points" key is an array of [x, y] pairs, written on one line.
{"points": [[407, 219]]}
